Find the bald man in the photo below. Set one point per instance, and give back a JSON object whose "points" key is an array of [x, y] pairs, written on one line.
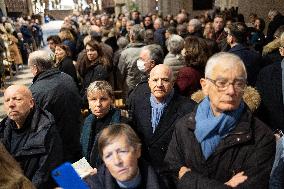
{"points": [[30, 136], [154, 112]]}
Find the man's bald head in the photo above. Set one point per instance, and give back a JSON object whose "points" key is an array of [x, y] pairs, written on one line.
{"points": [[18, 103], [161, 81], [162, 68], [24, 90]]}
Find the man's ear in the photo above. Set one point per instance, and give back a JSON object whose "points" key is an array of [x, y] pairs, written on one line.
{"points": [[32, 103], [152, 64], [204, 85]]}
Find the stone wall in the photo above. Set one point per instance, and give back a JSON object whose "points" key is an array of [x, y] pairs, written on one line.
{"points": [[260, 7], [59, 14], [3, 7]]}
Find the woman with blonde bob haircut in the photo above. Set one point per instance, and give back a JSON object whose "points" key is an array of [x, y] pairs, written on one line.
{"points": [[120, 149], [100, 98]]}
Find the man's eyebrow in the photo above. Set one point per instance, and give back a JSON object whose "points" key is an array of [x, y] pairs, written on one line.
{"points": [[220, 77], [223, 78]]}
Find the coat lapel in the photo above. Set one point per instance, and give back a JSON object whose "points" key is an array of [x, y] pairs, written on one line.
{"points": [[167, 119], [144, 116]]}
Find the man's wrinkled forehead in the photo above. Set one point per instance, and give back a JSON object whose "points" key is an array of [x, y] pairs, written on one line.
{"points": [[160, 73], [221, 70], [18, 90]]}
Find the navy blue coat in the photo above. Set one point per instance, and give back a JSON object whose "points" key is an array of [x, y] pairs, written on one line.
{"points": [[251, 59], [155, 145], [269, 85], [159, 37]]}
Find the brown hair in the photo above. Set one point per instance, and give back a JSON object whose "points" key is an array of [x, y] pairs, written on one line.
{"points": [[66, 35], [84, 63], [195, 52], [116, 130], [65, 48]]}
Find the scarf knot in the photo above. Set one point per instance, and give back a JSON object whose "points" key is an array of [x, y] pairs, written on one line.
{"points": [[211, 129], [158, 109]]}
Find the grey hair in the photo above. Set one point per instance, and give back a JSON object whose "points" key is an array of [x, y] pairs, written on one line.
{"points": [[122, 42], [85, 29], [196, 23], [175, 44], [155, 53], [41, 59], [131, 22], [223, 58], [100, 86], [160, 21], [137, 33]]}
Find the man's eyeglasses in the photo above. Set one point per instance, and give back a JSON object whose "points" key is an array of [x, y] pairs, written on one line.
{"points": [[223, 84]]}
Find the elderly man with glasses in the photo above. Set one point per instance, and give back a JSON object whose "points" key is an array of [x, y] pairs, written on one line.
{"points": [[221, 144]]}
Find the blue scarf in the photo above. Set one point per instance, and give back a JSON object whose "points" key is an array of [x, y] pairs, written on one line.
{"points": [[210, 129], [158, 109]]}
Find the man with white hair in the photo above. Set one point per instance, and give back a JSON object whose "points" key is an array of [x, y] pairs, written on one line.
{"points": [[57, 92], [174, 58], [194, 27], [128, 75], [221, 144], [159, 33]]}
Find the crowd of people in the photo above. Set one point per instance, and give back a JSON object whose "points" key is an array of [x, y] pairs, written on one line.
{"points": [[201, 101], [18, 38]]}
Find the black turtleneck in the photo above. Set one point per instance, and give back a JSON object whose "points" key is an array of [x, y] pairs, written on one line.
{"points": [[20, 135]]}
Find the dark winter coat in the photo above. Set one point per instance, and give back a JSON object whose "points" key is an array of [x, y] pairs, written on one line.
{"points": [[251, 59], [72, 47], [57, 92], [159, 37], [95, 72], [27, 34], [66, 65], [104, 180], [249, 147], [155, 145], [90, 134], [42, 150], [269, 85]]}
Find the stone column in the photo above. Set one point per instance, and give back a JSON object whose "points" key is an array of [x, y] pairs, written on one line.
{"points": [[3, 7], [30, 7]]}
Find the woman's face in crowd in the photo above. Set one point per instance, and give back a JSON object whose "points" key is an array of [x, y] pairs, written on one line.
{"points": [[92, 54], [99, 103], [257, 24], [59, 53], [121, 159]]}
